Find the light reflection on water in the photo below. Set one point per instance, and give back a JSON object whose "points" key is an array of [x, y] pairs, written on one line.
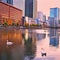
{"points": [[28, 44]]}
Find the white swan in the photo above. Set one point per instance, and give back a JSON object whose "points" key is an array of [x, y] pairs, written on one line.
{"points": [[9, 43]]}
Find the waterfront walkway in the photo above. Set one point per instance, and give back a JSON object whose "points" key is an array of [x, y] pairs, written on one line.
{"points": [[45, 58]]}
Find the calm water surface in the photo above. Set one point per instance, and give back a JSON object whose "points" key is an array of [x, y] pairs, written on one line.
{"points": [[27, 44]]}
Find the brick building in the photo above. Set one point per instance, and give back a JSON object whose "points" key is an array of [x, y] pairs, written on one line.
{"points": [[10, 14]]}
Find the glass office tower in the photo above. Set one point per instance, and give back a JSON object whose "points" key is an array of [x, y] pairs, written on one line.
{"points": [[7, 1], [31, 8], [54, 12]]}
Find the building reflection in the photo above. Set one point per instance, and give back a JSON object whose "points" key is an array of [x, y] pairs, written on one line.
{"points": [[30, 44], [40, 36], [54, 37], [14, 51]]}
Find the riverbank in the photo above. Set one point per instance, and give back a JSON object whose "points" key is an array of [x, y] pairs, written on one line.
{"points": [[18, 27]]}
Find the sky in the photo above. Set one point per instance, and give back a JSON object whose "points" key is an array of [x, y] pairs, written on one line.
{"points": [[45, 5]]}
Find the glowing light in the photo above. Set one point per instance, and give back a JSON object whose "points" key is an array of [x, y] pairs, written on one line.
{"points": [[26, 34]]}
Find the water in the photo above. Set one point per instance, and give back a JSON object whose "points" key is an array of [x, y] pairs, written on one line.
{"points": [[27, 44]]}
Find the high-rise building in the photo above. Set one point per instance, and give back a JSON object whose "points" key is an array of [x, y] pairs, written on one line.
{"points": [[7, 1], [54, 12], [31, 8]]}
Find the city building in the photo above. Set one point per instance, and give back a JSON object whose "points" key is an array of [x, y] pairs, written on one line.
{"points": [[38, 21], [7, 1], [41, 16], [28, 21], [10, 14], [54, 12], [44, 18], [19, 4], [31, 8]]}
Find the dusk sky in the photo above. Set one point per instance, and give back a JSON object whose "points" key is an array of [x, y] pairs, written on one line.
{"points": [[45, 5]]}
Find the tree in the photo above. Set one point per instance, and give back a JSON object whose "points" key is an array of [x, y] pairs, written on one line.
{"points": [[17, 24], [5, 24], [13, 24]]}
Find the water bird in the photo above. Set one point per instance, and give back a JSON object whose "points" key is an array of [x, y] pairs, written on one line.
{"points": [[9, 43], [43, 53]]}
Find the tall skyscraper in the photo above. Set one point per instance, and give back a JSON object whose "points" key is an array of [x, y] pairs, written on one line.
{"points": [[31, 8], [54, 12], [7, 1]]}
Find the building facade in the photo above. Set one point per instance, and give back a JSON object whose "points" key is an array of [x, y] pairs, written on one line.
{"points": [[20, 4], [54, 12], [7, 1], [31, 8], [12, 15], [41, 16]]}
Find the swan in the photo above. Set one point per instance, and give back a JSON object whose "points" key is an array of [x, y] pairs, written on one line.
{"points": [[9, 43]]}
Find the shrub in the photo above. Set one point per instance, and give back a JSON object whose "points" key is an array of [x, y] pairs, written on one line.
{"points": [[17, 24], [5, 24], [13, 24]]}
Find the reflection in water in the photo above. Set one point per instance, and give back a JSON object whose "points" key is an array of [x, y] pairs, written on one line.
{"points": [[14, 51], [40, 36], [30, 45], [27, 44], [18, 50], [54, 37]]}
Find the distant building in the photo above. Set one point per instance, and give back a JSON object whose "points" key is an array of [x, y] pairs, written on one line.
{"points": [[44, 18], [7, 1], [41, 16], [31, 21], [31, 8], [27, 20], [38, 21], [54, 12]]}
